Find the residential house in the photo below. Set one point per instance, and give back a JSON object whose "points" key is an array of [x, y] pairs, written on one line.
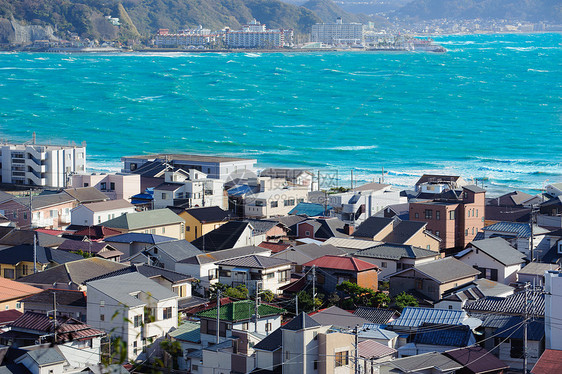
{"points": [[8, 316], [204, 266], [396, 231], [134, 242], [433, 362], [17, 237], [159, 221], [495, 258], [512, 345], [96, 213], [370, 353], [268, 230], [255, 272], [521, 236], [377, 333], [238, 315], [391, 258], [116, 186], [378, 316], [351, 245], [477, 360], [70, 303], [188, 334], [140, 311], [513, 206], [533, 273], [550, 213], [333, 270], [86, 195], [214, 166], [12, 293], [200, 221], [455, 216], [276, 202], [438, 338], [549, 362], [40, 165], [94, 233], [166, 254], [297, 177], [554, 189], [456, 298], [312, 210], [232, 234], [553, 309], [19, 261], [322, 229], [42, 360], [189, 188], [413, 318], [97, 249], [338, 319], [434, 183], [71, 275], [50, 211], [430, 280], [300, 254], [551, 255], [79, 342]]}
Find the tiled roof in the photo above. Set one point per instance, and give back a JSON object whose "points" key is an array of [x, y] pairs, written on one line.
{"points": [[537, 268], [224, 237], [500, 250], [444, 270], [96, 232], [430, 360], [375, 315], [79, 245], [15, 255], [478, 360], [147, 218], [17, 237], [549, 362], [274, 247], [86, 194], [307, 252], [241, 311], [415, 317], [207, 258], [351, 243], [474, 188], [300, 322], [371, 349], [395, 252], [436, 178], [46, 356], [522, 230], [76, 272], [103, 206], [338, 317], [64, 297], [177, 249], [135, 237], [477, 289], [10, 290], [372, 226], [444, 335], [272, 342], [209, 214], [45, 201], [168, 187], [514, 329], [187, 331], [341, 263], [10, 315], [255, 262], [403, 231], [67, 328], [512, 304]]}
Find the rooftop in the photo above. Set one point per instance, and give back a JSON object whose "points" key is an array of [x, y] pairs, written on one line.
{"points": [[341, 263], [86, 194], [444, 270], [255, 262], [499, 249], [375, 315], [371, 349], [63, 297], [187, 331], [103, 206], [223, 237], [425, 361], [147, 218], [186, 157], [11, 290], [396, 252], [135, 237], [477, 359], [241, 311], [520, 229], [415, 317], [209, 214], [549, 362], [338, 317]]}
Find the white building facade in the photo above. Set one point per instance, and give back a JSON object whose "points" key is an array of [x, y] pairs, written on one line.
{"points": [[255, 35], [337, 33]]}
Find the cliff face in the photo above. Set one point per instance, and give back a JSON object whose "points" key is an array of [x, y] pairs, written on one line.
{"points": [[11, 31]]}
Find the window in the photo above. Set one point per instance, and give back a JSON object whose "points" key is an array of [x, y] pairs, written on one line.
{"points": [[268, 326], [167, 313], [163, 230], [274, 204], [438, 234], [245, 326], [437, 215], [419, 284], [103, 186], [383, 264], [9, 273], [24, 215], [476, 212], [187, 228], [342, 359], [473, 231], [450, 307], [417, 215], [137, 321], [452, 215], [466, 232], [315, 364], [516, 348], [270, 275], [18, 305], [102, 302], [212, 274], [164, 196], [428, 214], [86, 184], [112, 186], [307, 233], [102, 317]]}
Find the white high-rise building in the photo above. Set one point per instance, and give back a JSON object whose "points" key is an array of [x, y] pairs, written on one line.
{"points": [[41, 165], [553, 309], [255, 35], [337, 33]]}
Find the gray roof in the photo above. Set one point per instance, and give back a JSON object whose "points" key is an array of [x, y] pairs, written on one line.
{"points": [[46, 356], [375, 315], [129, 284], [351, 243], [207, 258], [148, 218], [522, 230], [44, 201], [474, 188], [102, 206], [178, 249], [477, 289], [186, 157], [300, 322], [444, 270], [303, 253], [415, 317], [537, 268], [255, 262], [338, 317], [512, 304], [86, 194], [168, 187], [272, 342], [396, 252], [500, 250], [403, 231], [262, 226], [372, 226], [414, 364]]}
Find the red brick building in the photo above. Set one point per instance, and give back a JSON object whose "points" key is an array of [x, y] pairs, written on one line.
{"points": [[454, 216]]}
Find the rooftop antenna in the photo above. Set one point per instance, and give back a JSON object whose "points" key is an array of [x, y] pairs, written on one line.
{"points": [[33, 138]]}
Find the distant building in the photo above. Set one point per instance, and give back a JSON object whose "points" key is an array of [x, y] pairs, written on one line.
{"points": [[41, 165], [255, 35], [185, 38], [337, 33], [115, 186]]}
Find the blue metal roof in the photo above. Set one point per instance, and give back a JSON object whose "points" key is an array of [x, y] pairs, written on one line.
{"points": [[415, 317], [523, 230], [310, 209], [239, 190], [139, 237]]}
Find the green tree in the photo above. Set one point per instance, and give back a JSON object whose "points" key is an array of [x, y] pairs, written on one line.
{"points": [[238, 292], [361, 296], [307, 303], [403, 300], [267, 296]]}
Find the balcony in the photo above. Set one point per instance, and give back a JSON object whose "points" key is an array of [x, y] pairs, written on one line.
{"points": [[36, 152], [64, 218], [36, 179], [35, 166], [42, 222]]}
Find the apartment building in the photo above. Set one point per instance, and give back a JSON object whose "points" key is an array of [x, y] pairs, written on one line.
{"points": [[116, 186], [255, 35], [337, 33], [40, 165]]}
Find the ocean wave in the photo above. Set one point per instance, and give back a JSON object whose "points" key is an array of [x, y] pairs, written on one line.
{"points": [[353, 148]]}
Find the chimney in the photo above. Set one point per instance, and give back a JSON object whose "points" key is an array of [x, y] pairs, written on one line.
{"points": [[33, 138], [348, 229]]}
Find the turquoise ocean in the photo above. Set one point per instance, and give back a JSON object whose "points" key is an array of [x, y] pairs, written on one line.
{"points": [[490, 108]]}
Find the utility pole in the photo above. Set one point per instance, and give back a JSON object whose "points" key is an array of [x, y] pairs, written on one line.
{"points": [[314, 288], [525, 327], [34, 233], [297, 304], [356, 352], [55, 314], [257, 305], [218, 314]]}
